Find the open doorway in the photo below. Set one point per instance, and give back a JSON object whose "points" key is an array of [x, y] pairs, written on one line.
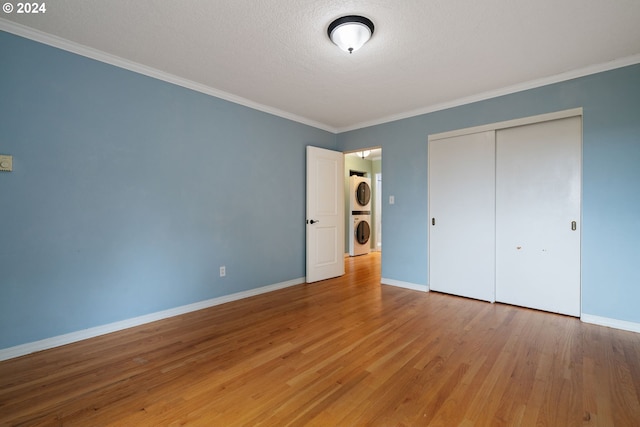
{"points": [[363, 207]]}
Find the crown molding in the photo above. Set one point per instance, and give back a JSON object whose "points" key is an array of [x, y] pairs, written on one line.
{"points": [[574, 74], [64, 44], [98, 55]]}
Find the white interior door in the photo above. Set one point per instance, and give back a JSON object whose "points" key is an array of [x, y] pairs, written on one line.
{"points": [[325, 214], [538, 193], [462, 215]]}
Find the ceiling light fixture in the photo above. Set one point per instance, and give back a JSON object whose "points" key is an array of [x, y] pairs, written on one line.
{"points": [[350, 32]]}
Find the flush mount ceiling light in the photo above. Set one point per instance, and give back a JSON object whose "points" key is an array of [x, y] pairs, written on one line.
{"points": [[349, 33]]}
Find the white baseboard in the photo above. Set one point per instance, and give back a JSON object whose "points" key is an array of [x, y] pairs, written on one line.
{"points": [[611, 323], [406, 285], [32, 347]]}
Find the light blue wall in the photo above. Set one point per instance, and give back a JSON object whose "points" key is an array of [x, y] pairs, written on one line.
{"points": [[611, 181], [128, 193]]}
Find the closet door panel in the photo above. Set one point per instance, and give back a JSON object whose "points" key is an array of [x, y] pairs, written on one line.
{"points": [[462, 215], [538, 194]]}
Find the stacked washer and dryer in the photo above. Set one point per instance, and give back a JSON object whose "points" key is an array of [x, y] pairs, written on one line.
{"points": [[360, 208]]}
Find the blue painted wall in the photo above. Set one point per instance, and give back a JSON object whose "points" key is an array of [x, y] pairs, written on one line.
{"points": [[611, 181], [128, 193]]}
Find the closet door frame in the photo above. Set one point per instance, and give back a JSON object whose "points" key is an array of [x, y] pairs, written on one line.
{"points": [[575, 112]]}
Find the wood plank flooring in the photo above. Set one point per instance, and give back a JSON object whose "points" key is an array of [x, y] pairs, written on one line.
{"points": [[342, 352]]}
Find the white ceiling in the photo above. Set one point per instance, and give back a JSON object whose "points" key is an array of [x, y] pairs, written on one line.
{"points": [[276, 56]]}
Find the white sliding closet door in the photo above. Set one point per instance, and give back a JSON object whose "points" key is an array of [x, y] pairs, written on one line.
{"points": [[538, 195], [461, 215]]}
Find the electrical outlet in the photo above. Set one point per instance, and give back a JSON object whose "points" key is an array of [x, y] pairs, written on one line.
{"points": [[223, 271]]}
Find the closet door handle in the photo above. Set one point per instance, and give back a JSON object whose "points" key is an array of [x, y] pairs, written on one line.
{"points": [[433, 221], [574, 226]]}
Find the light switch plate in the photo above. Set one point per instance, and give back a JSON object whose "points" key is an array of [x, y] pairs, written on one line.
{"points": [[6, 163]]}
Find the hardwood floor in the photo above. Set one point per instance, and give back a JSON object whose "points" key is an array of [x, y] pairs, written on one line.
{"points": [[345, 352]]}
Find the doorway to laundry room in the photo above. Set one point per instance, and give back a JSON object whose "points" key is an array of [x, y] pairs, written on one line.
{"points": [[363, 207]]}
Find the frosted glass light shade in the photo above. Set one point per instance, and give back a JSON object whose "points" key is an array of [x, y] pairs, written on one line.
{"points": [[349, 33]]}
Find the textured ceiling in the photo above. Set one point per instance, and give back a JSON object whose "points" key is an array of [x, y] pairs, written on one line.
{"points": [[423, 54]]}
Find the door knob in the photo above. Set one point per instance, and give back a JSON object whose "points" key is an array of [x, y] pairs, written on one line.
{"points": [[313, 221]]}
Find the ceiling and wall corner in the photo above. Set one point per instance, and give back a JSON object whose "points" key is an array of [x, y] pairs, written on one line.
{"points": [[110, 218], [276, 56]]}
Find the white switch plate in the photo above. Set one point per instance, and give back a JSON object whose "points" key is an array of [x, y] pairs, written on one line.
{"points": [[392, 200], [6, 163]]}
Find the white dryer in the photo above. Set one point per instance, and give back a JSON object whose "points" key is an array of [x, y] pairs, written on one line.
{"points": [[360, 199]]}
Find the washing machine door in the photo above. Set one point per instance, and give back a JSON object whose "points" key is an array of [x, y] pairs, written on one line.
{"points": [[363, 194], [362, 232]]}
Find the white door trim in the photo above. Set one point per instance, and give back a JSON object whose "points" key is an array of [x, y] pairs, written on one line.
{"points": [[509, 123]]}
